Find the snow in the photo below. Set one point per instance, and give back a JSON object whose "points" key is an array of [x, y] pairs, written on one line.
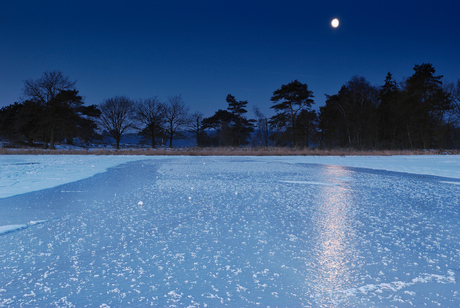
{"points": [[21, 174], [308, 183], [26, 173], [11, 228], [437, 165], [111, 231]]}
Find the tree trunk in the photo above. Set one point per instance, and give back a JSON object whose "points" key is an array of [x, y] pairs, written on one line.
{"points": [[307, 141], [266, 133], [294, 141], [349, 135], [153, 138], [118, 142], [408, 135], [52, 137]]}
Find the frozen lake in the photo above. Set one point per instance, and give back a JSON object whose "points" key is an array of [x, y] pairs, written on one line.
{"points": [[236, 232]]}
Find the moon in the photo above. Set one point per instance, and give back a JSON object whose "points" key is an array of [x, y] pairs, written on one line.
{"points": [[335, 23]]}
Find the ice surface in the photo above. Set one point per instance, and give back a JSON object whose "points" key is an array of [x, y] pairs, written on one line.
{"points": [[309, 183], [237, 232], [438, 165], [11, 228], [25, 173]]}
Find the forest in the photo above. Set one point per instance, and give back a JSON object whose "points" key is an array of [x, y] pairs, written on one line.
{"points": [[419, 112]]}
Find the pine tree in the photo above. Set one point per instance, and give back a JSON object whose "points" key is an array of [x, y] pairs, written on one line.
{"points": [[288, 101], [242, 127], [427, 102], [390, 113]]}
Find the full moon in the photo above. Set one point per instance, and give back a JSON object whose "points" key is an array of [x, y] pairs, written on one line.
{"points": [[335, 22]]}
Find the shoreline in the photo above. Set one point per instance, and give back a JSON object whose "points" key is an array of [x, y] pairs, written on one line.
{"points": [[224, 151]]}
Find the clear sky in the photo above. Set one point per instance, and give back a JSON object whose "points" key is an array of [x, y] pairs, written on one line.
{"points": [[206, 49]]}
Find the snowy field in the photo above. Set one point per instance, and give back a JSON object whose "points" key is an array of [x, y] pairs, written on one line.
{"points": [[117, 231]]}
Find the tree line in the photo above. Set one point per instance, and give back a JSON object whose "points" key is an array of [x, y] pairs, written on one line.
{"points": [[418, 112]]}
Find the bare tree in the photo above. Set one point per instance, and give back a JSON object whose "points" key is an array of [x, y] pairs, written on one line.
{"points": [[151, 112], [263, 131], [57, 97], [117, 116], [176, 118], [452, 118], [454, 91], [195, 123], [46, 88]]}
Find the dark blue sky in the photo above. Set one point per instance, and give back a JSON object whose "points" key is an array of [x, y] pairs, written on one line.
{"points": [[206, 49]]}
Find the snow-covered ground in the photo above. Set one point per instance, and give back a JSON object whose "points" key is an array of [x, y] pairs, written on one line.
{"points": [[21, 174], [25, 173], [229, 231], [437, 165]]}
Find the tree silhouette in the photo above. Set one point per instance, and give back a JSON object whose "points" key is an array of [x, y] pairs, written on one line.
{"points": [[390, 112], [221, 122], [56, 94], [176, 117], [151, 112], [241, 127], [288, 101], [117, 116], [427, 102], [197, 127], [349, 118], [263, 131]]}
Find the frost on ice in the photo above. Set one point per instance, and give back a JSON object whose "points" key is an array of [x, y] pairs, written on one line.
{"points": [[236, 232]]}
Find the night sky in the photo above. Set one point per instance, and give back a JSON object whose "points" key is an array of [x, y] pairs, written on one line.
{"points": [[204, 50]]}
